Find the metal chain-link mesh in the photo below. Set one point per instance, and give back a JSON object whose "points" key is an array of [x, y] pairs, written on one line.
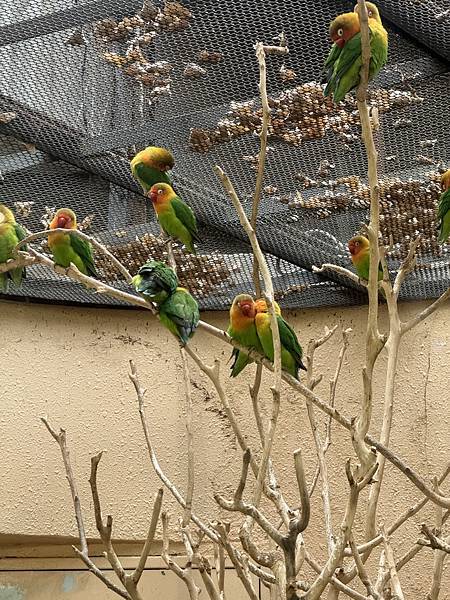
{"points": [[92, 83]]}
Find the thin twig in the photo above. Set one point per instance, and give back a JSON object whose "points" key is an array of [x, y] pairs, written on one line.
{"points": [[363, 575], [157, 504], [396, 587], [190, 440]]}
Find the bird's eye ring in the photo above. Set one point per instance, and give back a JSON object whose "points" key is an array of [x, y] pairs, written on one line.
{"points": [[370, 13], [160, 191], [340, 32]]}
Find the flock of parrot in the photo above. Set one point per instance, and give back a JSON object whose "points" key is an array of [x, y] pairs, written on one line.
{"points": [[250, 322]]}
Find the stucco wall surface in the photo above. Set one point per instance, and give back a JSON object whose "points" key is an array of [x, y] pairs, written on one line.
{"points": [[71, 364]]}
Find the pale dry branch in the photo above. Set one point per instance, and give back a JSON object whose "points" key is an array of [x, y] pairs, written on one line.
{"points": [[60, 439], [433, 541], [219, 560], [406, 326], [140, 393], [396, 587], [334, 581], [23, 260], [184, 574], [341, 271], [357, 482], [363, 575], [157, 504], [205, 572]]}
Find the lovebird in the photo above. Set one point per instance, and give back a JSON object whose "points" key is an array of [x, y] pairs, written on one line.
{"points": [[175, 217], [291, 351], [180, 314], [242, 329], [150, 166], [443, 214], [11, 233], [343, 64], [155, 281], [359, 247], [68, 248]]}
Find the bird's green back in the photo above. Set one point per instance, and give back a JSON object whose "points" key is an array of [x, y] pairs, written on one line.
{"points": [[180, 314], [148, 176], [443, 216]]}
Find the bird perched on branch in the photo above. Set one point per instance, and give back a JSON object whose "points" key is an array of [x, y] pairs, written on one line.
{"points": [[291, 351], [150, 166], [178, 310], [67, 248], [176, 218], [11, 233], [155, 281], [242, 329], [359, 247], [343, 64], [443, 214]]}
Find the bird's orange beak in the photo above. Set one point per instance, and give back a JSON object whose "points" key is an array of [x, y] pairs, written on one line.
{"points": [[153, 195], [352, 247]]}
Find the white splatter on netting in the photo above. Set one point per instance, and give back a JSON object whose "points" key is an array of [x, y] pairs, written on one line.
{"points": [[92, 83]]}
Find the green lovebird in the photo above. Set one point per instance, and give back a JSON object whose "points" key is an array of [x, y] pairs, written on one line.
{"points": [[443, 214], [150, 165], [11, 233], [68, 248], [291, 351], [343, 64], [175, 217], [242, 329], [155, 281], [179, 313], [359, 247]]}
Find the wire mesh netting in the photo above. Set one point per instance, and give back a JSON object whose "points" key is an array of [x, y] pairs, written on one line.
{"points": [[92, 83]]}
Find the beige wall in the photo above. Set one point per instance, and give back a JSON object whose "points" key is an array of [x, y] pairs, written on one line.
{"points": [[71, 364]]}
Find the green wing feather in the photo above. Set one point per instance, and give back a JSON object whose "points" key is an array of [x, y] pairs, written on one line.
{"points": [[181, 309], [155, 281], [443, 216], [289, 341], [84, 250], [330, 62], [185, 214]]}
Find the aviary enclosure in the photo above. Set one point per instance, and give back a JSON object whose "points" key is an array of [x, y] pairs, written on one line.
{"points": [[280, 174]]}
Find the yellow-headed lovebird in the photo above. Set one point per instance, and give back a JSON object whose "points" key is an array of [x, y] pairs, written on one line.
{"points": [[242, 329], [175, 217], [444, 209], [150, 166], [343, 65], [359, 247], [155, 281], [179, 313], [68, 248], [291, 351], [11, 233]]}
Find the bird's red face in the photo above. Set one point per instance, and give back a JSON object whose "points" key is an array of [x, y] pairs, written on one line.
{"points": [[343, 28], [64, 219], [354, 247], [157, 193]]}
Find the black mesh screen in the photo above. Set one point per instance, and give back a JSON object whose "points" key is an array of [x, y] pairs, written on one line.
{"points": [[93, 82]]}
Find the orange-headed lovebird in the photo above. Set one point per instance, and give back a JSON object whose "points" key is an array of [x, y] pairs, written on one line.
{"points": [[175, 217], [343, 64], [150, 166], [444, 208], [68, 248], [11, 233], [242, 329], [291, 351], [359, 247]]}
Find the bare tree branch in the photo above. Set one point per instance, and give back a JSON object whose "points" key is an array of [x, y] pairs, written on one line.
{"points": [[60, 438], [396, 587], [190, 439], [363, 575], [157, 504]]}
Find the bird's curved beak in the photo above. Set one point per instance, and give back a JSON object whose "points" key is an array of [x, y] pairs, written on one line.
{"points": [[62, 222], [153, 196], [351, 247]]}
